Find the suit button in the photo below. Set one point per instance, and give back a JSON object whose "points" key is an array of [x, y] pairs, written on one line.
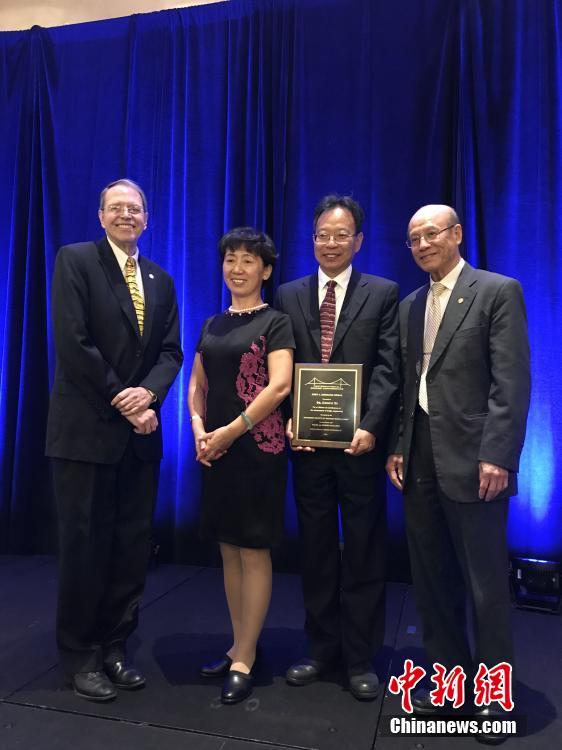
{"points": [[430, 380], [412, 413], [138, 353]]}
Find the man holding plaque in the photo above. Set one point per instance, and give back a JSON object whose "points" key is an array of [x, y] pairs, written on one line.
{"points": [[343, 317]]}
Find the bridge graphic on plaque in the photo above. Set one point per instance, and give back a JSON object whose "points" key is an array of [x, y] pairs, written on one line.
{"points": [[339, 382]]}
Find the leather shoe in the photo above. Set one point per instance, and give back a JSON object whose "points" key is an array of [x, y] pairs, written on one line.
{"points": [[124, 676], [365, 686], [93, 686], [304, 672], [491, 713], [217, 668], [421, 703], [236, 687]]}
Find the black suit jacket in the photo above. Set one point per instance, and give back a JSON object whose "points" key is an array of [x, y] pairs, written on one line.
{"points": [[478, 380], [100, 351], [366, 333]]}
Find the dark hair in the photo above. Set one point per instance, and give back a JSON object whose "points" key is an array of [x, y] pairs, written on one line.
{"points": [[257, 243], [342, 201], [128, 183]]}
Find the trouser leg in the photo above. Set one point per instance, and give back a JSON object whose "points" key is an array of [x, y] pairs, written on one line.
{"points": [[137, 483], [317, 505], [437, 576], [363, 513], [85, 502]]}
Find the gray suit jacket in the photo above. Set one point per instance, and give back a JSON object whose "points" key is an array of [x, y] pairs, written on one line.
{"points": [[478, 380]]}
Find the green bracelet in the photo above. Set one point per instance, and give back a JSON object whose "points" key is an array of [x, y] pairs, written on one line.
{"points": [[247, 420]]}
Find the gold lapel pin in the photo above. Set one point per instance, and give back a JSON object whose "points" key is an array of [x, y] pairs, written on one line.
{"points": [[460, 300]]}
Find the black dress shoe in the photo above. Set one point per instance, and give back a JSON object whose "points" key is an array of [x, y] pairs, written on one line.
{"points": [[124, 676], [217, 668], [365, 686], [236, 687], [491, 713], [93, 686], [305, 672]]}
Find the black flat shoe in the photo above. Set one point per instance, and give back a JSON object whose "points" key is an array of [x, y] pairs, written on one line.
{"points": [[93, 686], [236, 687], [218, 668], [124, 676]]}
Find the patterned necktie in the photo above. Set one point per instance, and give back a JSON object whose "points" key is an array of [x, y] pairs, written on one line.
{"points": [[138, 302], [434, 316], [328, 320]]}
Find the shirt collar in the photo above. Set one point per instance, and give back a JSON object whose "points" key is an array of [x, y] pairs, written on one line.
{"points": [[451, 278], [122, 256], [342, 279]]}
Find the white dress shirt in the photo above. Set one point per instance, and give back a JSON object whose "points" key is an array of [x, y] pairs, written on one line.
{"points": [[342, 281], [121, 258], [448, 282]]}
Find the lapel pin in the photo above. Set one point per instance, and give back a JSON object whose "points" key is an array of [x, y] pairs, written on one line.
{"points": [[151, 276], [460, 300]]}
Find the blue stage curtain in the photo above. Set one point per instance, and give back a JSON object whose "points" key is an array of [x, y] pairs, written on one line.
{"points": [[246, 113]]}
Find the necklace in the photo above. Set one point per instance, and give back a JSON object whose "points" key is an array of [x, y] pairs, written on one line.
{"points": [[233, 311]]}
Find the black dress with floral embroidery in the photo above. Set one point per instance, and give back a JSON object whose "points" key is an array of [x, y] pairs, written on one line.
{"points": [[244, 491]]}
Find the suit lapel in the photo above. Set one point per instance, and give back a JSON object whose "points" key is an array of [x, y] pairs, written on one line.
{"points": [[149, 297], [307, 296], [117, 283], [459, 304], [416, 323], [355, 296]]}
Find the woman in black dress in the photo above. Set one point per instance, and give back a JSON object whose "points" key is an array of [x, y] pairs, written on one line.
{"points": [[241, 373]]}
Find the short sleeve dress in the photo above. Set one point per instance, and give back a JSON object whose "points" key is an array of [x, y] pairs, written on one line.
{"points": [[244, 490]]}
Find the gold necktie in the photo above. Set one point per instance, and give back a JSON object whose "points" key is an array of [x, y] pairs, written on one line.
{"points": [[138, 302], [434, 316]]}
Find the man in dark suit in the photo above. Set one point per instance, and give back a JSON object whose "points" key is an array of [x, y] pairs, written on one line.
{"points": [[465, 397], [116, 330], [344, 590]]}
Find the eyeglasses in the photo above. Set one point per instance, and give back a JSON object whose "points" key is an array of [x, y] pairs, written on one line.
{"points": [[119, 208], [340, 238], [430, 236]]}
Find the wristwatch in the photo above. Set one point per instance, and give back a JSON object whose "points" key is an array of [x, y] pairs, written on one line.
{"points": [[153, 396]]}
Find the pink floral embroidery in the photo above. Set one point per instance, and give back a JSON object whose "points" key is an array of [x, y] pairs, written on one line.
{"points": [[252, 379]]}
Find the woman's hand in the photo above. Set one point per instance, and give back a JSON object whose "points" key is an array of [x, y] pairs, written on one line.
{"points": [[216, 443], [200, 441], [200, 446]]}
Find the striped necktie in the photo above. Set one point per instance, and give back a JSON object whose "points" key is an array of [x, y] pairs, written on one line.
{"points": [[434, 316], [328, 320], [138, 302]]}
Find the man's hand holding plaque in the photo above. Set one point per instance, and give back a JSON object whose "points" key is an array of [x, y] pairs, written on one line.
{"points": [[363, 442]]}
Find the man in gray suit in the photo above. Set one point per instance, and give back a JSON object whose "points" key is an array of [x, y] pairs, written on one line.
{"points": [[465, 396]]}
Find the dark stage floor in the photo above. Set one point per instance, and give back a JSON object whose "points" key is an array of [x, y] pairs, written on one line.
{"points": [[184, 622]]}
